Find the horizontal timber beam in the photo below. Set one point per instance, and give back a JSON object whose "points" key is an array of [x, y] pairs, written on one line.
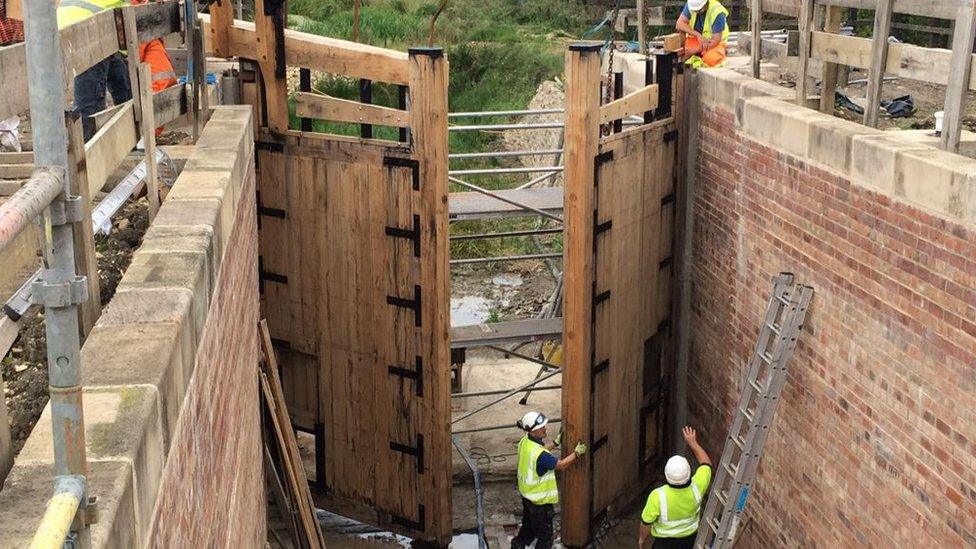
{"points": [[938, 9], [498, 333], [904, 60], [330, 55], [324, 107], [634, 103]]}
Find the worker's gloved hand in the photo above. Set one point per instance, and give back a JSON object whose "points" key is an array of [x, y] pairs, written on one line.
{"points": [[580, 449], [558, 441]]}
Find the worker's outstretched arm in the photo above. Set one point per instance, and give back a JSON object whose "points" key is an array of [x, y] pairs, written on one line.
{"points": [[683, 26], [645, 530], [568, 460], [691, 437]]}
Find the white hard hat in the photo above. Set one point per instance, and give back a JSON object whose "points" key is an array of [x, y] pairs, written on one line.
{"points": [[695, 5], [532, 421], [677, 471]]}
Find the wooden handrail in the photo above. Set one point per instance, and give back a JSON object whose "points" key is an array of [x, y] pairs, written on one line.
{"points": [[638, 102]]}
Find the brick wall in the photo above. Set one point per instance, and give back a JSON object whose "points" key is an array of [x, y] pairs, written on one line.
{"points": [[875, 440], [172, 417], [212, 491]]}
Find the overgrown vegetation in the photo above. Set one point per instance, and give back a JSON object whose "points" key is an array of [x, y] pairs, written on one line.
{"points": [[500, 52]]}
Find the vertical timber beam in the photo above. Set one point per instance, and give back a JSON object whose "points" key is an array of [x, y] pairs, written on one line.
{"points": [[82, 231], [221, 19], [829, 73], [879, 58], [804, 22], [149, 138], [428, 103], [641, 27], [959, 70], [581, 146], [755, 18], [269, 21]]}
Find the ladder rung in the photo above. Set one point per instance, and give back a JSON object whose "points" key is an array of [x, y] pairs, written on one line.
{"points": [[748, 414], [755, 385], [766, 357], [739, 441], [774, 328], [713, 524], [732, 470], [783, 299]]}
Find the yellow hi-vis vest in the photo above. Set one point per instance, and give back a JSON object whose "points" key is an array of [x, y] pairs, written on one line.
{"points": [[539, 490], [675, 512], [715, 8], [73, 11]]}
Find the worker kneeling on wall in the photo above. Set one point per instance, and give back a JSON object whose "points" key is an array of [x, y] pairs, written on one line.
{"points": [[705, 22], [672, 511], [537, 481]]}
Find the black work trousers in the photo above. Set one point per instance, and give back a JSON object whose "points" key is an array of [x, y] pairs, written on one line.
{"points": [[536, 526]]}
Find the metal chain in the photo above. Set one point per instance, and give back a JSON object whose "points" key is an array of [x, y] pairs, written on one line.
{"points": [[605, 129]]}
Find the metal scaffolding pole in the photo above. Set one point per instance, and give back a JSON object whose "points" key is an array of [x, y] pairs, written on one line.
{"points": [[499, 154], [487, 114], [60, 290], [501, 171], [507, 395], [496, 427], [505, 258], [501, 127], [500, 198], [500, 392]]}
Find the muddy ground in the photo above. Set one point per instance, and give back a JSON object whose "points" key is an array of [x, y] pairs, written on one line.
{"points": [[25, 367]]}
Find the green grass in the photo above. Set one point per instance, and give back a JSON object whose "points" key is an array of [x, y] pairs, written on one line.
{"points": [[500, 51]]}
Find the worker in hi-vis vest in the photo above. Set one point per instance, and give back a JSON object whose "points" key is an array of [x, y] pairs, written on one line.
{"points": [[112, 73], [706, 25], [672, 511], [537, 481]]}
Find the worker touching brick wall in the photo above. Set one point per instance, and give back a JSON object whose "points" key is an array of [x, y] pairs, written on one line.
{"points": [[875, 440]]}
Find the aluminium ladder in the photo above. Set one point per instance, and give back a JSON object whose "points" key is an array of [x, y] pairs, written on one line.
{"points": [[736, 471]]}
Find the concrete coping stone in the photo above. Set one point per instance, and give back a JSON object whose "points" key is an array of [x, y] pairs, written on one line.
{"points": [[903, 164]]}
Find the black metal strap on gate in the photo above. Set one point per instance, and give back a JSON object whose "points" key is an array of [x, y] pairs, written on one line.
{"points": [[417, 525], [415, 451], [276, 10], [320, 482], [397, 162], [600, 160], [408, 303], [264, 211], [305, 85], [667, 199], [264, 275], [410, 234], [599, 228], [670, 136], [598, 298], [417, 374], [665, 263], [599, 367], [366, 97]]}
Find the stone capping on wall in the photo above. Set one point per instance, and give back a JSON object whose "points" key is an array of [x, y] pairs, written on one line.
{"points": [[139, 358], [899, 164]]}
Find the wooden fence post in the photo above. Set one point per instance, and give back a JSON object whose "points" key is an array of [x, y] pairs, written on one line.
{"points": [[428, 106], [581, 145], [755, 18], [879, 59], [148, 126], [83, 234], [270, 32], [829, 72], [221, 18], [804, 22], [959, 72]]}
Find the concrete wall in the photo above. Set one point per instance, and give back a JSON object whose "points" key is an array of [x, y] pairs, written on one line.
{"points": [[875, 440], [171, 405]]}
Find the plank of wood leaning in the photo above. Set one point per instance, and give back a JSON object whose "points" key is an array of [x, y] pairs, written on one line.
{"points": [[582, 123], [83, 235], [638, 102], [284, 422], [169, 104], [829, 71], [428, 105], [106, 149], [804, 21], [961, 72], [132, 61], [149, 138], [285, 510], [324, 107], [879, 60]]}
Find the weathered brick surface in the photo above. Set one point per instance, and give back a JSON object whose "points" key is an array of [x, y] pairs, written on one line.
{"points": [[875, 440], [212, 492]]}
